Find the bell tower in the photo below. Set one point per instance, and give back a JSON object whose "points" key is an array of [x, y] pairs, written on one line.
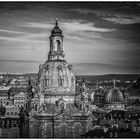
{"points": [[56, 44]]}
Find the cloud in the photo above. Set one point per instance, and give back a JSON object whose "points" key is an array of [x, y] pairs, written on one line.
{"points": [[117, 17], [77, 25], [12, 32], [69, 25], [89, 11], [19, 39], [17, 36], [72, 29], [36, 25], [20, 61], [124, 20]]}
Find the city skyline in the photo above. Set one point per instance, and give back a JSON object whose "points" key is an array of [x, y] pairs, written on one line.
{"points": [[99, 37]]}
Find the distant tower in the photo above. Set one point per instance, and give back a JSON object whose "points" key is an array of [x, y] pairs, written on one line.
{"points": [[114, 83], [97, 84]]}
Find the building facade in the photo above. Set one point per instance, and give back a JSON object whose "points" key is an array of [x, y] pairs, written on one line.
{"points": [[9, 127]]}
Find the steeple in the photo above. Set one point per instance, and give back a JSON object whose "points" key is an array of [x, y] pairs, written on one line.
{"points": [[56, 44]]}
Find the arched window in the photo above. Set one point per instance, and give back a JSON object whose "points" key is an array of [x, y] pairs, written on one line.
{"points": [[35, 107], [46, 81], [77, 130], [60, 81], [63, 132], [48, 131], [58, 45], [72, 81], [43, 82]]}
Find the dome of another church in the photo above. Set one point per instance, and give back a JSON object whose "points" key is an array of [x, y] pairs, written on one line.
{"points": [[114, 96]]}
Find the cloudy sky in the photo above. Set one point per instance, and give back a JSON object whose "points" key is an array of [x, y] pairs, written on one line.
{"points": [[99, 37]]}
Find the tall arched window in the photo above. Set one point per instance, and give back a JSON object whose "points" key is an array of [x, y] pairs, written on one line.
{"points": [[48, 132], [58, 45], [77, 130], [72, 81], [63, 132], [60, 81], [46, 81], [43, 83], [35, 107]]}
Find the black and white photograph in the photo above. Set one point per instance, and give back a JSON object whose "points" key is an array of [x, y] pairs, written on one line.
{"points": [[69, 69]]}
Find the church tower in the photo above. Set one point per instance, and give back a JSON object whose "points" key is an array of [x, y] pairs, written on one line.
{"points": [[56, 78], [54, 114], [56, 44]]}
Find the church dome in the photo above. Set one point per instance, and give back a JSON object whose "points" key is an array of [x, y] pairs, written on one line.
{"points": [[57, 78], [114, 96]]}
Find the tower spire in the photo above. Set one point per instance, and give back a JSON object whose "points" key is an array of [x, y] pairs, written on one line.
{"points": [[56, 22]]}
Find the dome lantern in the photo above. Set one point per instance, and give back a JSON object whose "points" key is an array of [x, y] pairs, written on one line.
{"points": [[56, 44]]}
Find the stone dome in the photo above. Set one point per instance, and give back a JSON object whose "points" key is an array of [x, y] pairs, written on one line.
{"points": [[114, 96], [57, 78]]}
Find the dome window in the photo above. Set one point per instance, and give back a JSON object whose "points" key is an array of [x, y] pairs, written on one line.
{"points": [[59, 68], [60, 81], [46, 82], [77, 130], [72, 81]]}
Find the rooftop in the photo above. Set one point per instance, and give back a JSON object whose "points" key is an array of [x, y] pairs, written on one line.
{"points": [[5, 88]]}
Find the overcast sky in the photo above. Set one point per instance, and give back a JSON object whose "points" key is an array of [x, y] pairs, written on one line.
{"points": [[99, 38]]}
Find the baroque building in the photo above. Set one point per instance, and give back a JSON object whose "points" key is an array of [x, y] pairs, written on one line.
{"points": [[56, 111]]}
